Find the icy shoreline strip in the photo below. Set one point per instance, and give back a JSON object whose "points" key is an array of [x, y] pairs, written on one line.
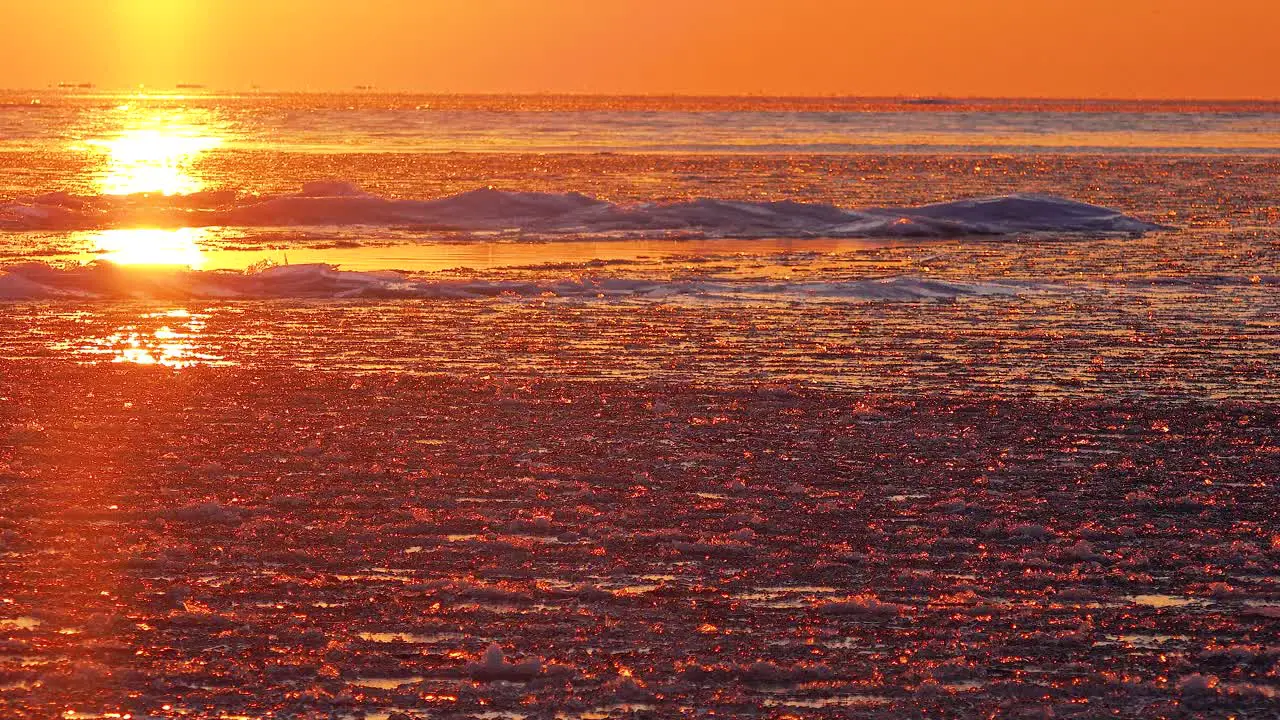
{"points": [[105, 281]]}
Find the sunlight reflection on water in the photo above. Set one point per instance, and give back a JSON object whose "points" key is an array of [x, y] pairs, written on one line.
{"points": [[171, 338], [181, 247], [151, 150]]}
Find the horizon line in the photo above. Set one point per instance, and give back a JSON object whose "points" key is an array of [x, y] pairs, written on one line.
{"points": [[200, 89]]}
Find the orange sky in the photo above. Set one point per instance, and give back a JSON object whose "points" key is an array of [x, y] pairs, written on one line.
{"points": [[1063, 48]]}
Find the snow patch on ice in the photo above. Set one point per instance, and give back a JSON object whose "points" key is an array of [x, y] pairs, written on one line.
{"points": [[494, 665], [860, 605]]}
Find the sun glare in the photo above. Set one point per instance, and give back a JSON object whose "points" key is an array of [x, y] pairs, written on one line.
{"points": [[147, 149], [153, 161], [149, 246]]}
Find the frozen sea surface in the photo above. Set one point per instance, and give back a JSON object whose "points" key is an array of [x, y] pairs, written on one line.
{"points": [[275, 543], [385, 406]]}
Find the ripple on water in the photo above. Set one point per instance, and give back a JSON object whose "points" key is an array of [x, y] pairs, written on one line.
{"points": [[408, 638], [1163, 601], [833, 701], [386, 683]]}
